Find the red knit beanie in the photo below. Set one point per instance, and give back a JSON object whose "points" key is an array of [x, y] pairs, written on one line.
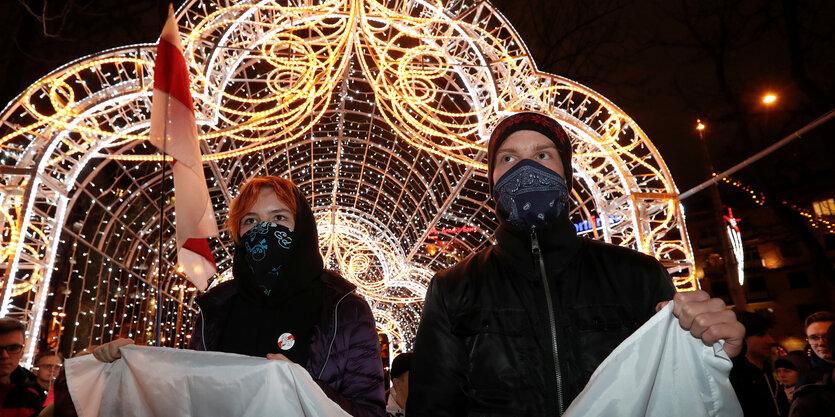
{"points": [[537, 122]]}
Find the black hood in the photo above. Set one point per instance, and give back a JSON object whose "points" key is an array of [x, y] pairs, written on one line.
{"points": [[305, 263]]}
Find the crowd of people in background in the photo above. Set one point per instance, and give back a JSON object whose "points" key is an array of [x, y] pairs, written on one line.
{"points": [[515, 329], [797, 383], [24, 392]]}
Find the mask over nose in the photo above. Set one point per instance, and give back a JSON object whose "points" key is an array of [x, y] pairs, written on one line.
{"points": [[267, 251], [530, 196]]}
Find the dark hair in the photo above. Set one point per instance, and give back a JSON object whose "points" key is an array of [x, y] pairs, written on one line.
{"points": [[46, 354], [755, 324], [401, 364], [8, 325], [819, 316]]}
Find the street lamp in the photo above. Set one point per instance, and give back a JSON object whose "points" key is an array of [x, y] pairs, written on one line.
{"points": [[737, 293], [769, 98]]}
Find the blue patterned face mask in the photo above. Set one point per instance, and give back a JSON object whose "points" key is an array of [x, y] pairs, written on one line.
{"points": [[267, 250], [529, 195]]}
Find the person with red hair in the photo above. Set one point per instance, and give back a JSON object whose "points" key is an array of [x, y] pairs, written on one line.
{"points": [[283, 304]]}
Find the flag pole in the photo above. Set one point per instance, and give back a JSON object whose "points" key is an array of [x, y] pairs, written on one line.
{"points": [[161, 230]]}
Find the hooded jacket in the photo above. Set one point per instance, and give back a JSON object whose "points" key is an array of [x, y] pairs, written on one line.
{"points": [[814, 399], [344, 350], [489, 344]]}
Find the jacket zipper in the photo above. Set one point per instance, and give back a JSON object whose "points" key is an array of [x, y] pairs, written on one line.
{"points": [[335, 326], [537, 254]]}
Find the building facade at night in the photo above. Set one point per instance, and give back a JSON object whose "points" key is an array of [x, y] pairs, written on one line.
{"points": [[789, 252]]}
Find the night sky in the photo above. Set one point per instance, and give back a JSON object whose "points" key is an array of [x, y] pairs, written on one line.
{"points": [[664, 63]]}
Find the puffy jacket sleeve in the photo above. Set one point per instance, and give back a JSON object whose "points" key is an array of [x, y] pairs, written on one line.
{"points": [[360, 390], [663, 288], [437, 379]]}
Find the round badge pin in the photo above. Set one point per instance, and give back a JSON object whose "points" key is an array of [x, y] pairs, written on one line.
{"points": [[286, 341]]}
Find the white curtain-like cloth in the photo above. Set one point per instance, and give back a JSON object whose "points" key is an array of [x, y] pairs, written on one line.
{"points": [[151, 381], [661, 370]]}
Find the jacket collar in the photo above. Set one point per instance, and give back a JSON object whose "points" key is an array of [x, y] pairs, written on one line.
{"points": [[217, 296], [559, 243], [335, 285], [334, 288]]}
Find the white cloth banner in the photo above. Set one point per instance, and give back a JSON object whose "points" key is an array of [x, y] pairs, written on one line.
{"points": [[661, 370], [152, 381]]}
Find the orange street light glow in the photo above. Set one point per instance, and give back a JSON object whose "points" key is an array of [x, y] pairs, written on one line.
{"points": [[699, 125], [769, 98]]}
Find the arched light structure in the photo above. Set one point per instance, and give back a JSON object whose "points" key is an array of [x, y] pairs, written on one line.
{"points": [[378, 110]]}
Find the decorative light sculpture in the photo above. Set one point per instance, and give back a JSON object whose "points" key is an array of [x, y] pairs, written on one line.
{"points": [[379, 110], [735, 238]]}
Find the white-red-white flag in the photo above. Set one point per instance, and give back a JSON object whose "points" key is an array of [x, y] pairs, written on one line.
{"points": [[174, 131]]}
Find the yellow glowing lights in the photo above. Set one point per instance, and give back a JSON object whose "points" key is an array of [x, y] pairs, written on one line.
{"points": [[377, 266], [769, 98], [408, 60], [8, 249], [330, 89]]}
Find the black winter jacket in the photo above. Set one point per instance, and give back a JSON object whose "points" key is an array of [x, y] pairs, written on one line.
{"points": [[486, 342], [814, 400], [344, 350], [754, 388]]}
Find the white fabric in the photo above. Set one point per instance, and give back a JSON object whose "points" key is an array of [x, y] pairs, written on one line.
{"points": [[661, 370], [392, 409], [151, 381]]}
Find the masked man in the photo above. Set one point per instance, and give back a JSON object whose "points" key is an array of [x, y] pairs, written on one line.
{"points": [[518, 328]]}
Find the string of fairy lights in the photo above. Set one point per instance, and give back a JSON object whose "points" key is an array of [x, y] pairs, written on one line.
{"points": [[379, 111], [818, 222]]}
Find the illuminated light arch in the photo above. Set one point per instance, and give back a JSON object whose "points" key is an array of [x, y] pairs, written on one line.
{"points": [[379, 111]]}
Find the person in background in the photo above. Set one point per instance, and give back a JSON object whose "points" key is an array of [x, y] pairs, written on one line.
{"points": [[399, 372], [814, 400], [789, 369], [283, 305], [16, 399], [820, 359], [751, 374], [48, 365]]}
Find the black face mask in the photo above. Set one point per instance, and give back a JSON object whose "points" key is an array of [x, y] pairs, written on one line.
{"points": [[267, 251], [530, 196]]}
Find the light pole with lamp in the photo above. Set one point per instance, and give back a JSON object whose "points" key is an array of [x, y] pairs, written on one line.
{"points": [[728, 260]]}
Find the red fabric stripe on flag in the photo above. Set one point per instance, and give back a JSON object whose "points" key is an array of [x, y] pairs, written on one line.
{"points": [[200, 246], [171, 73]]}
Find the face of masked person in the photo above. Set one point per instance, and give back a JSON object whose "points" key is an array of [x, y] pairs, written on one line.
{"points": [[530, 189], [267, 250], [267, 236]]}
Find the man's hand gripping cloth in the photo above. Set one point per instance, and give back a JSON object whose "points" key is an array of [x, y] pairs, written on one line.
{"points": [[661, 370], [152, 381]]}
